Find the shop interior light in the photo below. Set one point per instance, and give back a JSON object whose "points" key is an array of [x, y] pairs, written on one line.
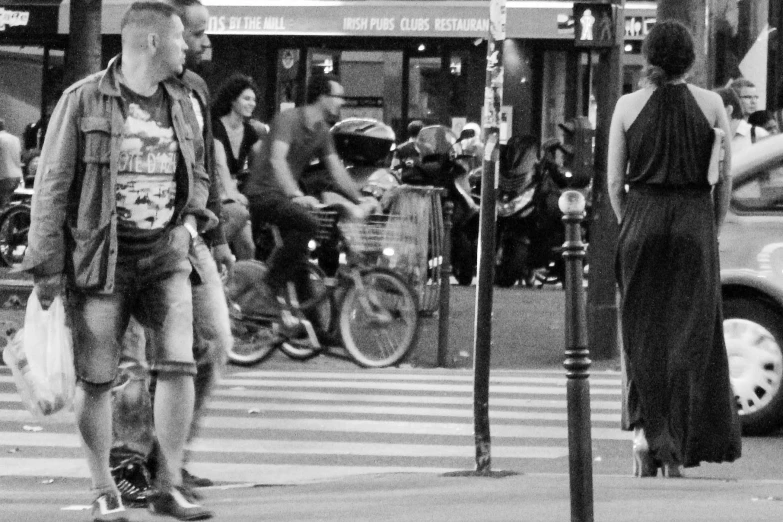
{"points": [[628, 48], [422, 48]]}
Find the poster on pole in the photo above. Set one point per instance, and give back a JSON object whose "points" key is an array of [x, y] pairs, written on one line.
{"points": [[497, 19]]}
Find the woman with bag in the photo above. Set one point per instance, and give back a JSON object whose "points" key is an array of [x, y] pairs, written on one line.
{"points": [[678, 397]]}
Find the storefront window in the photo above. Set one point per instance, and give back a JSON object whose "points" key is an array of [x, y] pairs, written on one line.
{"points": [[426, 91]]}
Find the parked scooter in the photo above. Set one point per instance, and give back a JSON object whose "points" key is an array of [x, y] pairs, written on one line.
{"points": [[516, 217], [548, 235], [442, 164]]}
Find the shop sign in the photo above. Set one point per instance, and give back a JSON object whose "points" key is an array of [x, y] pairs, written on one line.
{"points": [[33, 19], [371, 25], [377, 18], [9, 18]]}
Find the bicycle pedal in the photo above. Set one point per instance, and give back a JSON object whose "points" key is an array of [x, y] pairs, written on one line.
{"points": [[311, 335]]}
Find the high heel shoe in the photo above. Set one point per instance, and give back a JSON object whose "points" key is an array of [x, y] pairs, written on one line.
{"points": [[643, 463]]}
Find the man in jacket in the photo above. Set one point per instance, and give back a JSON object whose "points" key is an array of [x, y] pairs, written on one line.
{"points": [[211, 327], [121, 194]]}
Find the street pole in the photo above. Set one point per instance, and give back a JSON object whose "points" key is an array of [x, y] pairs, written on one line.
{"points": [[84, 40], [577, 362], [493, 100], [602, 291], [444, 359]]}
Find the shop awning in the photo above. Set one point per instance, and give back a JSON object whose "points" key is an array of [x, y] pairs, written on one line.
{"points": [[28, 18], [381, 18]]}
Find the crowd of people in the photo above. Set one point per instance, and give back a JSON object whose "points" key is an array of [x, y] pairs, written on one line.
{"points": [[140, 260]]}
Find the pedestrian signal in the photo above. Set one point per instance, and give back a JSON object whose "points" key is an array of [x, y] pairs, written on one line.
{"points": [[577, 146], [595, 25]]}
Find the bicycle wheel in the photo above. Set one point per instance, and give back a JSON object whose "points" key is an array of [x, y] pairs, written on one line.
{"points": [[380, 324], [320, 309], [254, 339], [14, 225]]}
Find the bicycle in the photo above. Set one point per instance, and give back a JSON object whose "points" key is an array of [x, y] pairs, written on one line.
{"points": [[372, 308], [14, 226]]}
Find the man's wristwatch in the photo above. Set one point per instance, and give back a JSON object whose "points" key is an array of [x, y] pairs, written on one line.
{"points": [[191, 230]]}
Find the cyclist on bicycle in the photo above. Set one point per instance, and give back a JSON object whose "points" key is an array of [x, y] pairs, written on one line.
{"points": [[297, 138]]}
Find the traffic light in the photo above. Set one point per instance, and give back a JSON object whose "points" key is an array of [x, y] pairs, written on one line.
{"points": [[577, 146]]}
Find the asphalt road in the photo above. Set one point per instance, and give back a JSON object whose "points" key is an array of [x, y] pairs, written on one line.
{"points": [[268, 428]]}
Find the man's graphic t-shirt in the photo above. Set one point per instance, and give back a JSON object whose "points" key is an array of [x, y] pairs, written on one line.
{"points": [[146, 182]]}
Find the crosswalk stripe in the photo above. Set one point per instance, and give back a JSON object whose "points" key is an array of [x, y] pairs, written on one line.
{"points": [[257, 407], [407, 399], [364, 426], [401, 411], [401, 386], [218, 471], [429, 377], [304, 447]]}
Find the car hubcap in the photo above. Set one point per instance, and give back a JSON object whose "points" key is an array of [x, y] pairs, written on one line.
{"points": [[755, 363]]}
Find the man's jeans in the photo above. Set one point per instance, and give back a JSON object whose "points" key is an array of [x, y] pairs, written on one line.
{"points": [[297, 227], [212, 340], [156, 290], [211, 330]]}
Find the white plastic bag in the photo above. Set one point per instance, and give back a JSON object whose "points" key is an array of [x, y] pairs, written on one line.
{"points": [[41, 359]]}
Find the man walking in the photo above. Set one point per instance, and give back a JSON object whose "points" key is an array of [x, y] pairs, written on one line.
{"points": [[211, 327], [121, 193], [10, 164]]}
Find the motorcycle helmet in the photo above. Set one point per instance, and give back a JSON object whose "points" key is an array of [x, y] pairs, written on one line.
{"points": [[436, 139], [363, 141], [379, 183]]}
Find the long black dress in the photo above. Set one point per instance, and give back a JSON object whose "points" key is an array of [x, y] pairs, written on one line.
{"points": [[668, 270]]}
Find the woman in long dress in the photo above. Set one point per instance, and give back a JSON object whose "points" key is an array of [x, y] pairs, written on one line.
{"points": [[678, 400]]}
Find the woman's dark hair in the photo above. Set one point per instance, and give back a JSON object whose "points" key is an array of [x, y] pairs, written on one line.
{"points": [[229, 91], [319, 85], [760, 118], [731, 99], [669, 51]]}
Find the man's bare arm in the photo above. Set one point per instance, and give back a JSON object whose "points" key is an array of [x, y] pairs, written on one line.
{"points": [[342, 178], [280, 169]]}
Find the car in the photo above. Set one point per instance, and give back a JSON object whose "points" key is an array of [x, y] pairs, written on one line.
{"points": [[751, 258]]}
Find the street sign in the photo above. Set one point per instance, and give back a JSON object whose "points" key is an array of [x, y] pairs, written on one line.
{"points": [[594, 25]]}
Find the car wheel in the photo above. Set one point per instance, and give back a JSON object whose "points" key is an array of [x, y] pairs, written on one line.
{"points": [[754, 338]]}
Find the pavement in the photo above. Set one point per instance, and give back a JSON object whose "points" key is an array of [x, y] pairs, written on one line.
{"points": [[434, 497], [527, 333]]}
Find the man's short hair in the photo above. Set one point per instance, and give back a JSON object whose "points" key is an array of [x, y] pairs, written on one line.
{"points": [[731, 99], [742, 83], [414, 128], [181, 6], [146, 14], [320, 85]]}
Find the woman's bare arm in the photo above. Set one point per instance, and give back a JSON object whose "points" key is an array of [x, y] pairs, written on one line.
{"points": [[617, 160]]}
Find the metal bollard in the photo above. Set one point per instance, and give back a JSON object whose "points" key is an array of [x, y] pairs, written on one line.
{"points": [[577, 361], [444, 361]]}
